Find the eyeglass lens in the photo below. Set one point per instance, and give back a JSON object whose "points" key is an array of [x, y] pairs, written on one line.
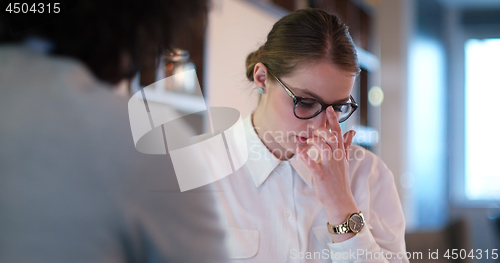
{"points": [[308, 108]]}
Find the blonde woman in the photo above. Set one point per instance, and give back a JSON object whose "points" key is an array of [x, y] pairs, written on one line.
{"points": [[283, 206]]}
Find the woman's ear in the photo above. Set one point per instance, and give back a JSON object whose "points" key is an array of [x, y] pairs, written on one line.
{"points": [[259, 76]]}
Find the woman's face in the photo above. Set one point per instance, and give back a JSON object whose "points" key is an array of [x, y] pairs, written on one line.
{"points": [[274, 119]]}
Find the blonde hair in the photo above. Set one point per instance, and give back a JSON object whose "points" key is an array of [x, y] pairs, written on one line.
{"points": [[305, 36]]}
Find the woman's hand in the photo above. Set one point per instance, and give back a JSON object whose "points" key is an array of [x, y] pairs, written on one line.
{"points": [[331, 174]]}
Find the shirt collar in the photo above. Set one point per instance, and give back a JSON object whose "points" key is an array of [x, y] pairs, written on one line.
{"points": [[261, 162]]}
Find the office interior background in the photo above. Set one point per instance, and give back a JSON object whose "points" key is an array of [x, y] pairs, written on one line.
{"points": [[428, 95]]}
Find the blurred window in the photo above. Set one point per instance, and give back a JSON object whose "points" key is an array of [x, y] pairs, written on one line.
{"points": [[482, 119]]}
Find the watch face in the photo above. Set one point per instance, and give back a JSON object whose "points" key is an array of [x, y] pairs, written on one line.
{"points": [[356, 223]]}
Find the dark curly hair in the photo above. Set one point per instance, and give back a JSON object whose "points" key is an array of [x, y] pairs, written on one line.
{"points": [[106, 35]]}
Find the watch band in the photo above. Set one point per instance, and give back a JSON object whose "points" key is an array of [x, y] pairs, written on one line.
{"points": [[338, 229], [344, 227]]}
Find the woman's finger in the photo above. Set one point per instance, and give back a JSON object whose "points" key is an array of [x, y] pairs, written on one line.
{"points": [[329, 137], [348, 136], [334, 125], [325, 151], [314, 166]]}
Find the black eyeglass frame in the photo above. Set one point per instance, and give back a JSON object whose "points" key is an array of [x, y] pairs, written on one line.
{"points": [[324, 106]]}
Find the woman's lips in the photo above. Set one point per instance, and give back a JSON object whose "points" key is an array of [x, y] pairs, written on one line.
{"points": [[301, 140]]}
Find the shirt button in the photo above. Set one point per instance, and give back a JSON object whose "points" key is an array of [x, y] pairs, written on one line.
{"points": [[286, 213]]}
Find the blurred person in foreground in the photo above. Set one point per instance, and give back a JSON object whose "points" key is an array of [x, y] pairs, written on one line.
{"points": [[72, 186]]}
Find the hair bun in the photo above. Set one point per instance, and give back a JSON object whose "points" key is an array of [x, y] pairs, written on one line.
{"points": [[252, 59]]}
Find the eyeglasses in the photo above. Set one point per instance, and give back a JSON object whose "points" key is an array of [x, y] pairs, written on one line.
{"points": [[307, 108]]}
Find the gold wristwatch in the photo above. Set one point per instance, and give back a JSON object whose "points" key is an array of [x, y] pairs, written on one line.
{"points": [[353, 224]]}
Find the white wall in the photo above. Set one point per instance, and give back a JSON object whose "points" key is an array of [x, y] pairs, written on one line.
{"points": [[236, 28], [394, 27]]}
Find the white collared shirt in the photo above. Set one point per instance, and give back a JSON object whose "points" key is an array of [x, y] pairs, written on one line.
{"points": [[272, 213]]}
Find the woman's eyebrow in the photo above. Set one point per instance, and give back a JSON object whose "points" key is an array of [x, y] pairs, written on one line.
{"points": [[312, 94]]}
